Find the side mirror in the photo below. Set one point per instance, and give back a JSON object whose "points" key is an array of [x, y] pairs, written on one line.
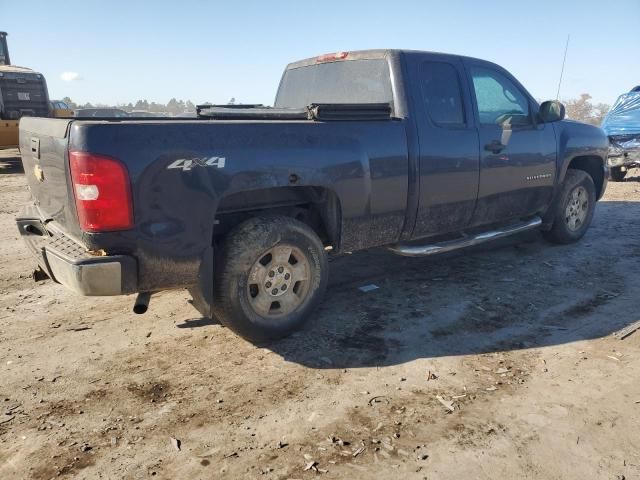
{"points": [[551, 111]]}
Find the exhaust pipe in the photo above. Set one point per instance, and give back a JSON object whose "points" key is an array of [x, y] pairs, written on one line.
{"points": [[142, 303]]}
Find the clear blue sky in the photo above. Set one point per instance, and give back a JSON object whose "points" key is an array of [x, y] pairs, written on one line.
{"points": [[211, 51]]}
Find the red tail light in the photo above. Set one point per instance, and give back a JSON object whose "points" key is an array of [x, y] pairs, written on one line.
{"points": [[102, 192]]}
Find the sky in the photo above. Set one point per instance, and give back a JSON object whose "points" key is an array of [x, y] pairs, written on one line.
{"points": [[118, 51]]}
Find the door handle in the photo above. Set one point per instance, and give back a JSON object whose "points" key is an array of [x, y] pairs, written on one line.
{"points": [[495, 147]]}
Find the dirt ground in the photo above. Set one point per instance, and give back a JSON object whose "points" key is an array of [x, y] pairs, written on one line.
{"points": [[493, 363]]}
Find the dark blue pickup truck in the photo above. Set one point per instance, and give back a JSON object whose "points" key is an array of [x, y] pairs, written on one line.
{"points": [[416, 151]]}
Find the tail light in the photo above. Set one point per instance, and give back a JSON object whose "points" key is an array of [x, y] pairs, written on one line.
{"points": [[102, 191]]}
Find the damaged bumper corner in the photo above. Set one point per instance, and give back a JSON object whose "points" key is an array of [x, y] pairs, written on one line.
{"points": [[95, 277], [68, 263], [624, 151], [625, 159]]}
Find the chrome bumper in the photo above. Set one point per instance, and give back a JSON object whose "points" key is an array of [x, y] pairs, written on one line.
{"points": [[68, 263]]}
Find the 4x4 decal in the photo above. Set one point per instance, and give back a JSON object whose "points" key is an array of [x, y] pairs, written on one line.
{"points": [[189, 163]]}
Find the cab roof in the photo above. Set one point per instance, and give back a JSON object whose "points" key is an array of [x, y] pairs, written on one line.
{"points": [[369, 54]]}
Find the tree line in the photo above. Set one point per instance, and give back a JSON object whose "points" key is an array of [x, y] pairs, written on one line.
{"points": [[173, 106], [581, 108]]}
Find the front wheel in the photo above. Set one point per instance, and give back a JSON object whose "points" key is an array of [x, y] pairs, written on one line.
{"points": [[270, 275], [574, 208]]}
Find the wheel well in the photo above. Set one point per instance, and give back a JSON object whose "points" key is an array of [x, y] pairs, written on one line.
{"points": [[318, 207], [593, 166]]}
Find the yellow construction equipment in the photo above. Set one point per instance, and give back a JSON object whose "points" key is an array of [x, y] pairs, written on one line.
{"points": [[59, 109], [23, 92]]}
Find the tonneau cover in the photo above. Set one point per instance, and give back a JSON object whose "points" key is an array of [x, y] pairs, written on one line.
{"points": [[251, 112], [315, 111]]}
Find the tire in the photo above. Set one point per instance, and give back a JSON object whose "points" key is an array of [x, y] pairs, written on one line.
{"points": [[574, 208], [271, 274], [616, 174]]}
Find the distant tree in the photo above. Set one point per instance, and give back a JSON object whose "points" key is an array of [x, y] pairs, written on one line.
{"points": [[583, 110], [602, 110], [70, 103], [142, 105], [173, 106], [232, 101]]}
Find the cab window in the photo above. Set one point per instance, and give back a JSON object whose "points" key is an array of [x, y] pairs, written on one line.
{"points": [[499, 101]]}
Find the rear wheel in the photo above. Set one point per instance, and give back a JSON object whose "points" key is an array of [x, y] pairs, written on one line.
{"points": [[574, 209], [271, 274], [617, 174]]}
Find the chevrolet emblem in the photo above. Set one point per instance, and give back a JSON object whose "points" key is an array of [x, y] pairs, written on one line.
{"points": [[39, 173]]}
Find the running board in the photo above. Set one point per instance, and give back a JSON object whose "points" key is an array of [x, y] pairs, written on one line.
{"points": [[467, 241]]}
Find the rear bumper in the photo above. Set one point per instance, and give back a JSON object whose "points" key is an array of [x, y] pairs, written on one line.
{"points": [[69, 264], [100, 276]]}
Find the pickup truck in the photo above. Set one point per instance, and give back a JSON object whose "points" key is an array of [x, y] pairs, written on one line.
{"points": [[415, 151]]}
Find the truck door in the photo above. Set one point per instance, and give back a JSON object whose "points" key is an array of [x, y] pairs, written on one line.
{"points": [[448, 157], [517, 154]]}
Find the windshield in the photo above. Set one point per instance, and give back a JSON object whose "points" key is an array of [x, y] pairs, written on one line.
{"points": [[355, 81]]}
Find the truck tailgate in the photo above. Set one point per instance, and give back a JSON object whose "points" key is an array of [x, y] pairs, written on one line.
{"points": [[43, 147]]}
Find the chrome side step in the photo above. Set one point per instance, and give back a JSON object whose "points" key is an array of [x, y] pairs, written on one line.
{"points": [[467, 241]]}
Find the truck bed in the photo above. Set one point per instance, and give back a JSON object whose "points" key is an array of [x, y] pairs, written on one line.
{"points": [[184, 172]]}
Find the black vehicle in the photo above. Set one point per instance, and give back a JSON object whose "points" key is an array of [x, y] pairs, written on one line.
{"points": [[144, 113], [420, 152], [104, 112]]}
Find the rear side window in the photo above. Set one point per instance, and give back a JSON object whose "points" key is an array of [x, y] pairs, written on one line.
{"points": [[499, 100], [442, 95]]}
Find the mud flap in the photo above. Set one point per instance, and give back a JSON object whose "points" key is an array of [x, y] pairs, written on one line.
{"points": [[202, 293], [39, 274]]}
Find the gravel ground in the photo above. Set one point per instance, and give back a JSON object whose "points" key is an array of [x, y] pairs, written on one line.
{"points": [[499, 362]]}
